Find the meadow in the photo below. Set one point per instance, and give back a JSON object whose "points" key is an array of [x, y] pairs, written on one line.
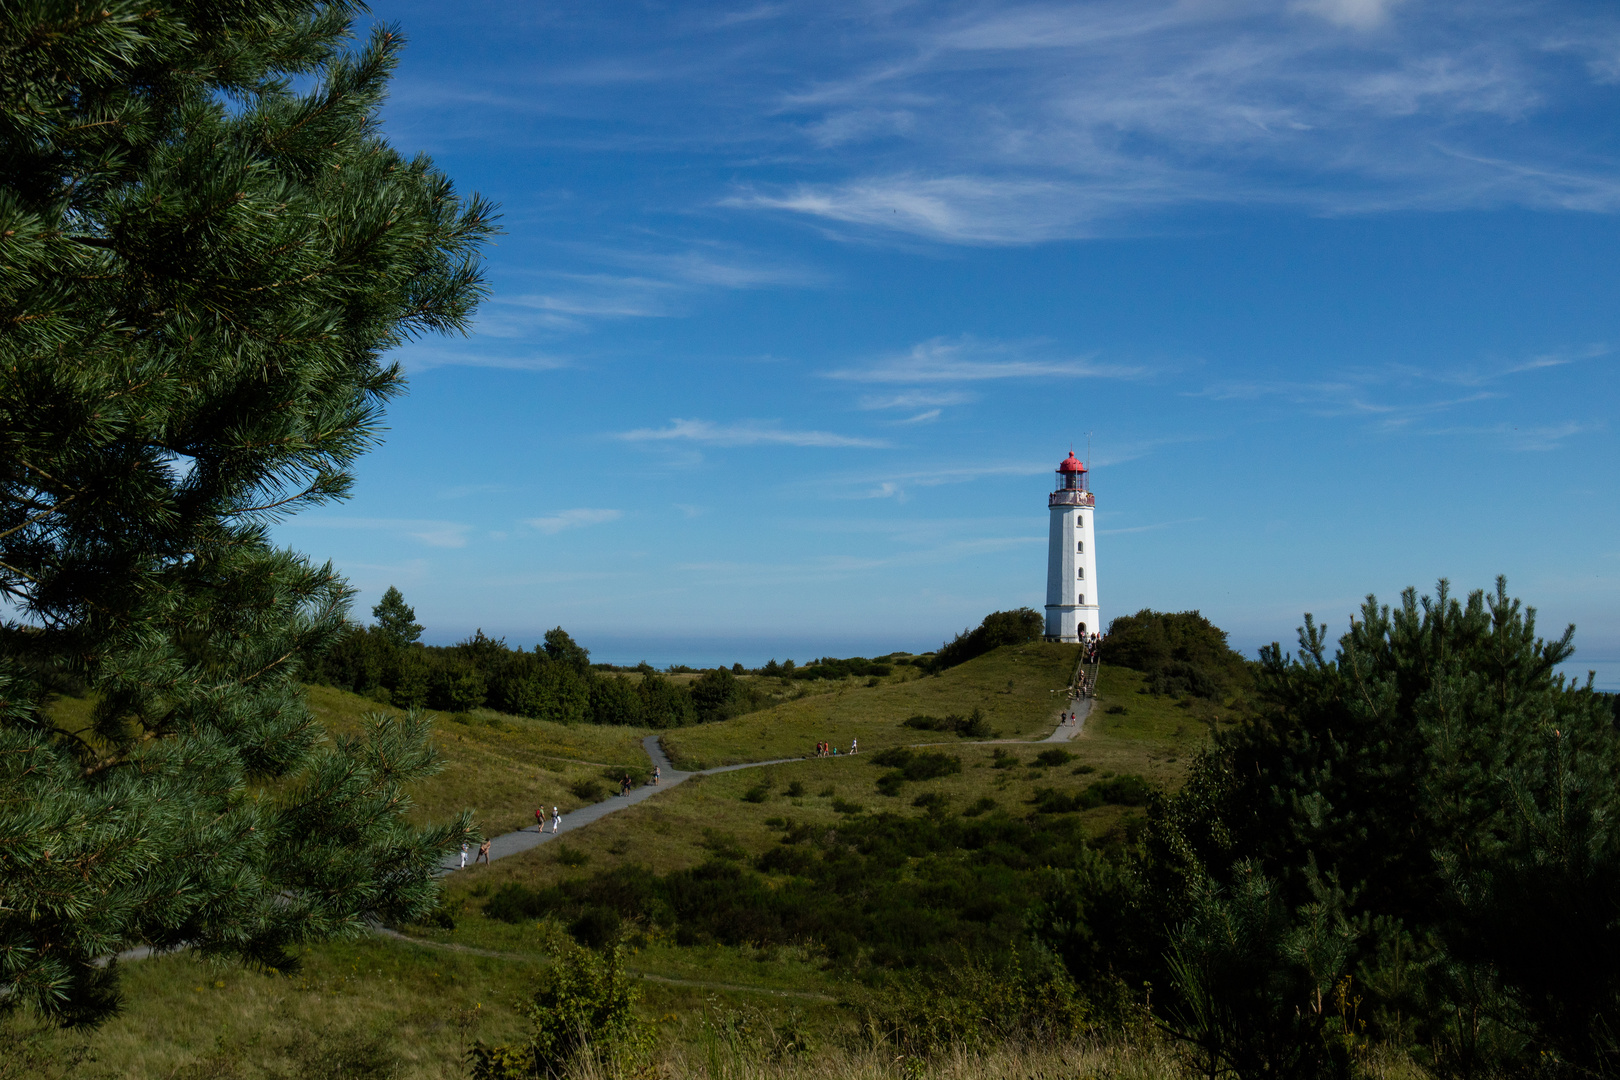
{"points": [[408, 1005]]}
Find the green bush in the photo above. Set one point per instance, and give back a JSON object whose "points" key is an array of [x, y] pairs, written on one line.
{"points": [[973, 726], [1003, 759], [571, 856], [757, 794], [588, 790], [1180, 653], [583, 1009], [998, 628], [1051, 759], [1127, 790]]}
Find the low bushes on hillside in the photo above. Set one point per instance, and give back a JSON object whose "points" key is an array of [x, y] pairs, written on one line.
{"points": [[972, 726], [910, 765], [998, 628], [1181, 653], [895, 891]]}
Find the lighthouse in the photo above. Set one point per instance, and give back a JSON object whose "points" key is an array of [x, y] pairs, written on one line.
{"points": [[1071, 557]]}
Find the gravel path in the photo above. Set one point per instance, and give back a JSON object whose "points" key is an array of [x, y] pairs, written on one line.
{"points": [[527, 838], [524, 839]]}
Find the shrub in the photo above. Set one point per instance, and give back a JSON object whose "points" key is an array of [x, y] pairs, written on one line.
{"points": [[1180, 653], [1127, 790], [1004, 759], [932, 723], [596, 927], [514, 903], [998, 628], [757, 794], [843, 806], [795, 790], [1052, 758], [584, 1008], [983, 805], [588, 790], [571, 856], [975, 726], [1115, 710]]}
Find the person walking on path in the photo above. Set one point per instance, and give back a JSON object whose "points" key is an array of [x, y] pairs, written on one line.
{"points": [[539, 820], [483, 854], [464, 855], [852, 745], [556, 819], [657, 774]]}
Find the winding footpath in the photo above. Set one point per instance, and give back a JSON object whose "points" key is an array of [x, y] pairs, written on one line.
{"points": [[525, 839], [514, 843]]}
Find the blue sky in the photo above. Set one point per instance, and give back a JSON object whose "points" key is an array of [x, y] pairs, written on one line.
{"points": [[800, 304]]}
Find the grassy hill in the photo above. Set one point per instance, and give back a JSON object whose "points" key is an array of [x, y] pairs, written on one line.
{"points": [[1017, 687], [503, 767], [410, 1006]]}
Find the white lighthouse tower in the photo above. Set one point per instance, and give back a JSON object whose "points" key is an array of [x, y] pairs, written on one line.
{"points": [[1071, 557]]}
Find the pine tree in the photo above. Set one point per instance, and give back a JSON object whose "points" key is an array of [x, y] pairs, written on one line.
{"points": [[396, 619], [1439, 781], [206, 249]]}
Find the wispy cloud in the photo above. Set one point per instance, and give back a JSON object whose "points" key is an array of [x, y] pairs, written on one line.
{"points": [[448, 534], [478, 352], [1526, 438], [1399, 395], [914, 399], [1028, 122], [573, 519], [746, 433], [963, 209], [945, 360]]}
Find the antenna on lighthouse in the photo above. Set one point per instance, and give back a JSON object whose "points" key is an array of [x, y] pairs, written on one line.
{"points": [[1088, 450]]}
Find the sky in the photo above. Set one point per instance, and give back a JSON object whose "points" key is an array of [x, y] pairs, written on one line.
{"points": [[799, 305]]}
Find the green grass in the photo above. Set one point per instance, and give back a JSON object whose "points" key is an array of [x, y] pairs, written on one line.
{"points": [[874, 715], [500, 767], [418, 1002]]}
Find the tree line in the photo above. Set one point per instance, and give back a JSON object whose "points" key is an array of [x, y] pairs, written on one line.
{"points": [[555, 680]]}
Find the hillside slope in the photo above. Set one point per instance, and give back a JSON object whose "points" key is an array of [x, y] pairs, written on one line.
{"points": [[1018, 687]]}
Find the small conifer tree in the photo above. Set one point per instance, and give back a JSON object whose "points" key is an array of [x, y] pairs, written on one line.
{"points": [[396, 619], [206, 248]]}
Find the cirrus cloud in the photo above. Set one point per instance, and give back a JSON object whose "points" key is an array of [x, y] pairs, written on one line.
{"points": [[746, 433], [573, 519]]}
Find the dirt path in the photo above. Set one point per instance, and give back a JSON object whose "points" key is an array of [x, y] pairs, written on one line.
{"points": [[526, 839]]}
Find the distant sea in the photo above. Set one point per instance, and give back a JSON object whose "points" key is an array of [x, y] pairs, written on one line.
{"points": [[723, 650], [716, 650], [1608, 672]]}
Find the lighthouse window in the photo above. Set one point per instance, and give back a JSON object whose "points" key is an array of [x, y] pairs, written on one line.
{"points": [[1082, 600], [1082, 573], [1079, 521], [1081, 547]]}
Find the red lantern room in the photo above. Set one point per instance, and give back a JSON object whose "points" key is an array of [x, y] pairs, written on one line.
{"points": [[1073, 472]]}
